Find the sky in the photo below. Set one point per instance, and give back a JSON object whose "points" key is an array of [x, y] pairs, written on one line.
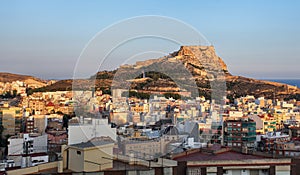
{"points": [[258, 39]]}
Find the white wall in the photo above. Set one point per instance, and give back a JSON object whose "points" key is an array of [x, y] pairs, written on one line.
{"points": [[282, 172], [233, 172], [39, 159], [85, 132], [40, 143], [241, 172], [235, 114], [245, 172], [15, 146]]}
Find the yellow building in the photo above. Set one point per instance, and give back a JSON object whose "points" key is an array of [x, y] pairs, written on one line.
{"points": [[142, 147], [280, 119], [50, 108], [11, 120], [65, 109], [38, 106], [91, 156], [269, 126], [139, 109]]}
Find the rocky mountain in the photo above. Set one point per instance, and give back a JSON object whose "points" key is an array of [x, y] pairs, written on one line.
{"points": [[190, 70], [179, 71]]}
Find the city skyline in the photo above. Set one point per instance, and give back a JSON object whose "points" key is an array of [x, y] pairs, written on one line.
{"points": [[255, 39], [149, 87]]}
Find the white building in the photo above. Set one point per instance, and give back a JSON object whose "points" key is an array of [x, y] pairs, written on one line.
{"points": [[235, 114], [36, 144], [89, 128], [36, 159], [28, 149], [287, 105]]}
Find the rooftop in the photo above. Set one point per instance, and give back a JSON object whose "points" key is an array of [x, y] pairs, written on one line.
{"points": [[295, 128], [227, 155], [98, 141]]}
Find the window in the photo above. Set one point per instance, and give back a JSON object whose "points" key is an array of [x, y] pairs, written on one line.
{"points": [[79, 152], [194, 171]]}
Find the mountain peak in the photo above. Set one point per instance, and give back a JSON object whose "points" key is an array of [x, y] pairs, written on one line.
{"points": [[201, 56]]}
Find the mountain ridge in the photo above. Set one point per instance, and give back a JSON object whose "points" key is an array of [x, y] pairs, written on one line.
{"points": [[10, 77], [30, 81], [200, 64]]}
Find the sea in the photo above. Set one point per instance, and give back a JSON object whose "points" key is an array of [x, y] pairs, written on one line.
{"points": [[293, 82]]}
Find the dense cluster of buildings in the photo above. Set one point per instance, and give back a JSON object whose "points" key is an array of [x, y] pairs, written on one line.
{"points": [[19, 87], [87, 131]]}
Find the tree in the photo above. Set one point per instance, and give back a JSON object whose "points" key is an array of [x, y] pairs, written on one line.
{"points": [[59, 112], [65, 121], [1, 138], [15, 93], [169, 95], [29, 91]]}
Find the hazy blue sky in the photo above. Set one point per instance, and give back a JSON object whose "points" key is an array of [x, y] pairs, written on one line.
{"points": [[259, 39]]}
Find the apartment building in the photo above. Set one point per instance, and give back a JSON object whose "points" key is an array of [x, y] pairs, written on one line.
{"points": [[11, 120], [224, 161], [37, 106], [240, 132]]}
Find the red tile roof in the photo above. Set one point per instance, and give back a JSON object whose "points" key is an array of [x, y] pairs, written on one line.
{"points": [[50, 104]]}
